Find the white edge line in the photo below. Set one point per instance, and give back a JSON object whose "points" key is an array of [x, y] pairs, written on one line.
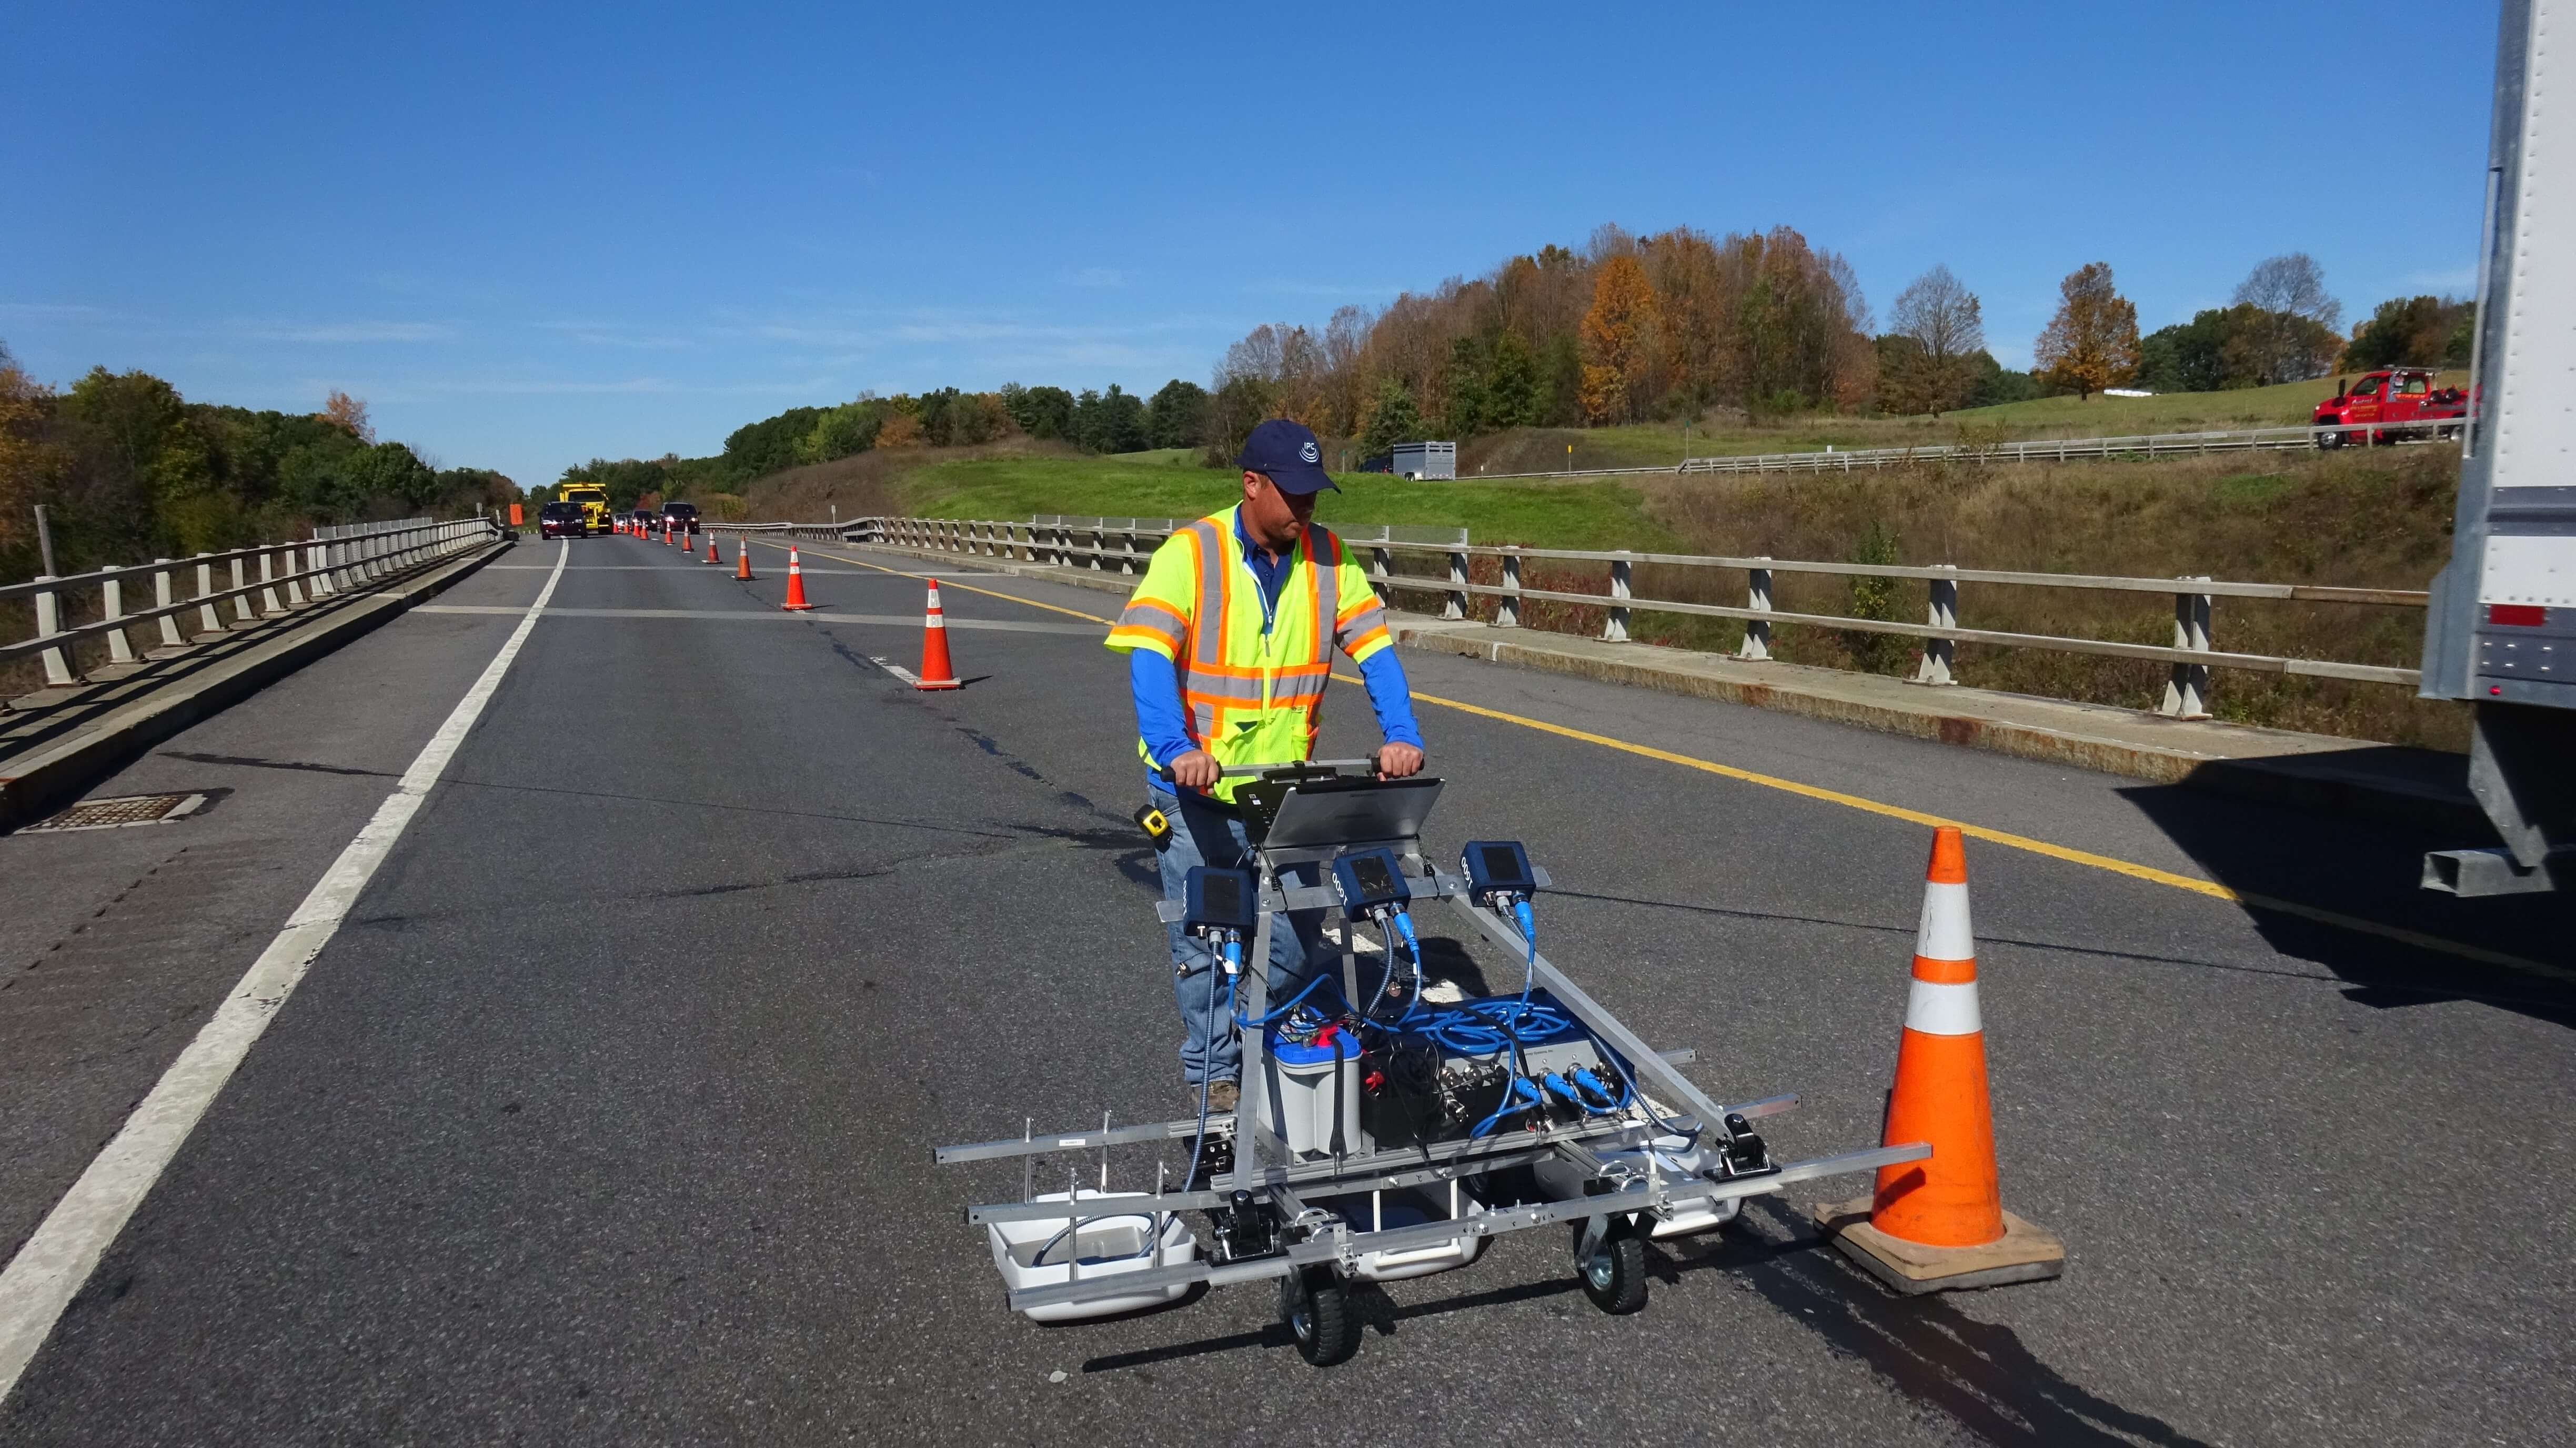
{"points": [[898, 670], [50, 1269]]}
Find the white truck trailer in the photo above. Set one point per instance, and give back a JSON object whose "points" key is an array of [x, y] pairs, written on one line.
{"points": [[2501, 633]]}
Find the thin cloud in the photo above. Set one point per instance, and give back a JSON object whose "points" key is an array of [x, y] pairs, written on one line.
{"points": [[612, 334], [361, 331], [2457, 279], [1282, 287], [54, 311]]}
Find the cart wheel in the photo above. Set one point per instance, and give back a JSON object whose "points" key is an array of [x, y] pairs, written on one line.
{"points": [[1317, 1308], [1614, 1276]]}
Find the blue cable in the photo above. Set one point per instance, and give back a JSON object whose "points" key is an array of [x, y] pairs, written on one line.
{"points": [[1294, 1001], [1520, 1088]]}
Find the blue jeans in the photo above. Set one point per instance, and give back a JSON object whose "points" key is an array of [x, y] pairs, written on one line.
{"points": [[1207, 832]]}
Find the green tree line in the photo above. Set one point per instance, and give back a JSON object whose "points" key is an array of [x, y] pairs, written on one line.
{"points": [[1110, 421], [130, 470]]}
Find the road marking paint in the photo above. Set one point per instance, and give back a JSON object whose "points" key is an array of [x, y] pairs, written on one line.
{"points": [[41, 1280], [2245, 898], [949, 581], [898, 670], [2149, 873], [888, 620]]}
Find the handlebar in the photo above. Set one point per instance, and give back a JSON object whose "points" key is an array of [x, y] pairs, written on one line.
{"points": [[1255, 771]]}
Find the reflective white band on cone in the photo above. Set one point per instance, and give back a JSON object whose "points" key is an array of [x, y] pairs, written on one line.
{"points": [[1943, 1010], [1945, 933]]}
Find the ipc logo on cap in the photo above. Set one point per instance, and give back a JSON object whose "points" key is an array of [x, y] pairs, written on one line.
{"points": [[1310, 452]]}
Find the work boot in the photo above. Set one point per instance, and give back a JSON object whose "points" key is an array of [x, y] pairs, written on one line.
{"points": [[1222, 1097]]}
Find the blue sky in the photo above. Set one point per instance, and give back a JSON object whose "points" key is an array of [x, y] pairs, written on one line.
{"points": [[533, 234]]}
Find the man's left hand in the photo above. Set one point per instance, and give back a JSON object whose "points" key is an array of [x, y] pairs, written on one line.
{"points": [[1398, 761]]}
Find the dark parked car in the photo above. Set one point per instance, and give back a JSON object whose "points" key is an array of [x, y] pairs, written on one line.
{"points": [[1382, 463], [683, 516], [640, 522], [561, 520]]}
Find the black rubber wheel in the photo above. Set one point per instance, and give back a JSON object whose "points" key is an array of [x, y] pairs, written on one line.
{"points": [[2328, 441], [1614, 1276], [1317, 1308]]}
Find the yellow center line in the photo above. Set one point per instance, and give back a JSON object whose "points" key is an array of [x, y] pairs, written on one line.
{"points": [[944, 583], [2087, 858], [2135, 871]]}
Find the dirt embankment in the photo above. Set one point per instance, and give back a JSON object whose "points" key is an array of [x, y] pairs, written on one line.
{"points": [[2375, 519]]}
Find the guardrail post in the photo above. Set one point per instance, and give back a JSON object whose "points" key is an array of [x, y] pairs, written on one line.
{"points": [[1616, 628], [1507, 609], [294, 585], [208, 619], [165, 595], [241, 594], [1940, 653], [1456, 606], [1379, 572], [111, 607], [49, 622], [269, 607], [2187, 691], [1757, 631]]}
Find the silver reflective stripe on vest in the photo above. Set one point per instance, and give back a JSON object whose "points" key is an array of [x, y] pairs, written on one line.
{"points": [[1326, 565], [1208, 628]]}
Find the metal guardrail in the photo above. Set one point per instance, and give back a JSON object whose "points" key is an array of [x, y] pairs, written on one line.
{"points": [[352, 558], [2068, 449], [1122, 545], [829, 532]]}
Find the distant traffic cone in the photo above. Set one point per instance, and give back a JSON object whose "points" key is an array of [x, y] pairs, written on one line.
{"points": [[742, 559], [795, 583], [711, 549], [936, 671], [1939, 1223]]}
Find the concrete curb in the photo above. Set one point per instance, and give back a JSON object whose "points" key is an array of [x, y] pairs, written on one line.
{"points": [[56, 773], [2317, 772]]}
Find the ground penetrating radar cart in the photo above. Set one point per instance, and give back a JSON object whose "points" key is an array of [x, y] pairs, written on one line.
{"points": [[1387, 1133]]}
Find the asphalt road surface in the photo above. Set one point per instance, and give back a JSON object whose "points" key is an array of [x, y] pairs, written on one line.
{"points": [[606, 1116]]}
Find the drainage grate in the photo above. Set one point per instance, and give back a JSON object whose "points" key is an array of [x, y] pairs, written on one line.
{"points": [[111, 814]]}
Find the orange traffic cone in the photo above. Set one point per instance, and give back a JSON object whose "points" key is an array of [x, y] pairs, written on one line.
{"points": [[742, 558], [795, 583], [711, 549], [936, 671], [1939, 1223]]}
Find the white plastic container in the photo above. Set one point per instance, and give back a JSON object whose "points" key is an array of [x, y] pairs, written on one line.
{"points": [[1677, 1156], [1101, 1248], [1409, 1207], [1309, 1088]]}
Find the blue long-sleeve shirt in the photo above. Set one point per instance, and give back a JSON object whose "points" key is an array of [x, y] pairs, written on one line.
{"points": [[1156, 682]]}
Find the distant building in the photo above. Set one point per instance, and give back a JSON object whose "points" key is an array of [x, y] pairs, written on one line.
{"points": [[1419, 460]]}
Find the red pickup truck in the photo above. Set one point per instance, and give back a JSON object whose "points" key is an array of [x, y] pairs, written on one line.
{"points": [[2404, 396]]}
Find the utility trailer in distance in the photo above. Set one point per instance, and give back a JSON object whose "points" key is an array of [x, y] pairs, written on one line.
{"points": [[2501, 632], [1420, 460]]}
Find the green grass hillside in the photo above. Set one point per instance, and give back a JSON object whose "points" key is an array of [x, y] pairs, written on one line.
{"points": [[1662, 444], [1566, 515]]}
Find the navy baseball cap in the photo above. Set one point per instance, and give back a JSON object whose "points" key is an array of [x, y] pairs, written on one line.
{"points": [[1286, 453]]}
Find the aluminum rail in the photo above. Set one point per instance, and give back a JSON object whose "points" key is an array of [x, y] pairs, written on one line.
{"points": [[1123, 545], [363, 560], [1636, 1197]]}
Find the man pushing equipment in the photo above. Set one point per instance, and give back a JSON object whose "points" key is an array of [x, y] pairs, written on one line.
{"points": [[1229, 641]]}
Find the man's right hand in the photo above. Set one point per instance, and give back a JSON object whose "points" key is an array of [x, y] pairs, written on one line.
{"points": [[1197, 769]]}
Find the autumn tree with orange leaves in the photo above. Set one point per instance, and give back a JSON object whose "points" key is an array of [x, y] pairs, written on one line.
{"points": [[349, 413], [2092, 342], [1618, 338]]}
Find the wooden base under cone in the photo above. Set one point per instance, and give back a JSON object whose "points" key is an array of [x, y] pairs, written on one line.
{"points": [[2026, 1253]]}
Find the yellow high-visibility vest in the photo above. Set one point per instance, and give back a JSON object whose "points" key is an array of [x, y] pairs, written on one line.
{"points": [[1252, 676]]}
